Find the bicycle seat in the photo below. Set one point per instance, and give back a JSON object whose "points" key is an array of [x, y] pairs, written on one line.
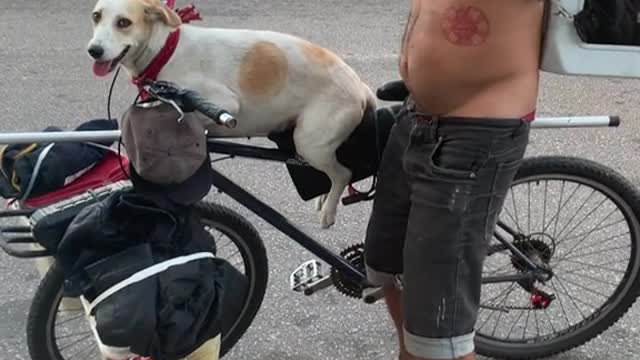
{"points": [[393, 91]]}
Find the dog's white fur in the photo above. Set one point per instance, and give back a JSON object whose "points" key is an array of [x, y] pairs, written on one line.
{"points": [[267, 80]]}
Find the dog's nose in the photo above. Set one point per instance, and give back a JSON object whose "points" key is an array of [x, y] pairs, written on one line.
{"points": [[96, 51]]}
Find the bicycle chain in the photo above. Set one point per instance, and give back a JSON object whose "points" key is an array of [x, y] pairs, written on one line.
{"points": [[507, 307]]}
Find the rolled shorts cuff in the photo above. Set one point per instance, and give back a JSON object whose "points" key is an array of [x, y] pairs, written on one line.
{"points": [[380, 278], [444, 348]]}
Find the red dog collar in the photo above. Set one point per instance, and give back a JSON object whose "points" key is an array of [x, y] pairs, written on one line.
{"points": [[152, 70]]}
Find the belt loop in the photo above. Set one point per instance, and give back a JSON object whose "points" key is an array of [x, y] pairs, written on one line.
{"points": [[434, 122], [517, 130]]}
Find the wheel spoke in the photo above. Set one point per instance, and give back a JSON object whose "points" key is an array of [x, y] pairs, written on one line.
{"points": [[514, 324], [77, 341], [605, 241], [526, 322], [591, 231], [91, 346], [578, 255], [576, 245], [553, 328], [529, 209], [515, 210], [500, 315], [535, 316], [575, 213], [501, 268], [589, 277], [561, 304], [544, 206], [486, 320], [574, 299], [72, 335], [582, 287], [71, 319], [595, 266]]}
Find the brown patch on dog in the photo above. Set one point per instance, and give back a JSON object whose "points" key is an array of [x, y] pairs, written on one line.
{"points": [[263, 70], [318, 55]]}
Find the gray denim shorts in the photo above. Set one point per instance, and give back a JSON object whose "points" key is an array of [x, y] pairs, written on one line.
{"points": [[441, 186]]}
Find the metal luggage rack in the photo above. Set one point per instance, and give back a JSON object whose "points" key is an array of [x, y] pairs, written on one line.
{"points": [[14, 236]]}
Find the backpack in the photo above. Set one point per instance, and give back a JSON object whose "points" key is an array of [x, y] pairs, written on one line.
{"points": [[609, 22], [29, 170]]}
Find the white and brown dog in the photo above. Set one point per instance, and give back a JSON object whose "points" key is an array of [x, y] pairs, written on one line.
{"points": [[269, 81]]}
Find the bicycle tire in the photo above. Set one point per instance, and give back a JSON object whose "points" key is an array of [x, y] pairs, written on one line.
{"points": [[41, 318], [625, 195]]}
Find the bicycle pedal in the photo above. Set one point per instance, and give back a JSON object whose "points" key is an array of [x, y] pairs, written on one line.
{"points": [[306, 275], [372, 295]]}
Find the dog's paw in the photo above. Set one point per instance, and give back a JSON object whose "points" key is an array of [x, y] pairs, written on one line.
{"points": [[327, 218], [320, 201]]}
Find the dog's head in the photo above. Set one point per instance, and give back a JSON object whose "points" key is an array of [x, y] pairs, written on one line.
{"points": [[121, 28]]}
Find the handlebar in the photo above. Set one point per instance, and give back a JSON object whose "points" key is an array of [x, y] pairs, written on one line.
{"points": [[189, 100]]}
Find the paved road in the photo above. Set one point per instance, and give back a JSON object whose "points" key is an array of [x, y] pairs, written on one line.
{"points": [[45, 79]]}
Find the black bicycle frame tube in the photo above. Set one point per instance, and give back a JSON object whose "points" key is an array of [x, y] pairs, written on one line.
{"points": [[281, 223], [247, 151]]}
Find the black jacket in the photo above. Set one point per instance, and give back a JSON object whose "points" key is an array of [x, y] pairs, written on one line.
{"points": [[166, 316]]}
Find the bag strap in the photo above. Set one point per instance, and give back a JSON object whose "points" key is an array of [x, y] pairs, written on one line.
{"points": [[43, 154], [146, 273], [36, 171]]}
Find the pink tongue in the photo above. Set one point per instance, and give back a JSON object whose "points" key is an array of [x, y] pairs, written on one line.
{"points": [[101, 68]]}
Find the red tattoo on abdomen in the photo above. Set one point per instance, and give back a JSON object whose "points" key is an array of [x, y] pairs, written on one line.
{"points": [[465, 26]]}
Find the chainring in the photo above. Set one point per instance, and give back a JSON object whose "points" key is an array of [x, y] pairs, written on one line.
{"points": [[354, 254]]}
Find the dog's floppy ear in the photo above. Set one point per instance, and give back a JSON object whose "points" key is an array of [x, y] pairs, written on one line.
{"points": [[158, 10]]}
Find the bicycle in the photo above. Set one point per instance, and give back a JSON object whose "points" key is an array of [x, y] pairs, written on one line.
{"points": [[528, 254]]}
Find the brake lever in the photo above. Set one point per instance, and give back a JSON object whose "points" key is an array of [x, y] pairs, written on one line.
{"points": [[167, 92]]}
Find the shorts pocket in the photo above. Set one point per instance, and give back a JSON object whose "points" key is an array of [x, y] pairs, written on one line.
{"points": [[457, 159]]}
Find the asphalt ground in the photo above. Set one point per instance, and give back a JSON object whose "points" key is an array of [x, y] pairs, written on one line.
{"points": [[46, 79]]}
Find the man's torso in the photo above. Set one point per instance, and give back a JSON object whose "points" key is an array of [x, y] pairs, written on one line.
{"points": [[473, 57]]}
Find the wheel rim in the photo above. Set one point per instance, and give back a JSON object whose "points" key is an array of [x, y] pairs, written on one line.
{"points": [[566, 263], [81, 341]]}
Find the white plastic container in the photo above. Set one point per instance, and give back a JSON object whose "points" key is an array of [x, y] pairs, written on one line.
{"points": [[565, 53]]}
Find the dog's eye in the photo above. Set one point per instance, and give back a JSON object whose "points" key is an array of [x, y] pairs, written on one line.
{"points": [[96, 17], [123, 23]]}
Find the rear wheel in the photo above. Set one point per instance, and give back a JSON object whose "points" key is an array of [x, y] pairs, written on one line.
{"points": [[57, 328], [580, 219]]}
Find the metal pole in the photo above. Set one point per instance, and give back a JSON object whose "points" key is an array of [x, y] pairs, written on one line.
{"points": [[59, 136], [113, 135], [575, 121]]}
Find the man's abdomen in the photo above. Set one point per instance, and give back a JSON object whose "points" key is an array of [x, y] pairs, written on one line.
{"points": [[473, 57]]}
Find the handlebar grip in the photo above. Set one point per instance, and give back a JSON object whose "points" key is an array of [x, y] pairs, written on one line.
{"points": [[209, 109]]}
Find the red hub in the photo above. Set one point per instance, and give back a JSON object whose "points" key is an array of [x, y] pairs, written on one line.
{"points": [[540, 301]]}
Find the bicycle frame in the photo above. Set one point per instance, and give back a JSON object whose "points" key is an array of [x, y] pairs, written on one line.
{"points": [[275, 218]]}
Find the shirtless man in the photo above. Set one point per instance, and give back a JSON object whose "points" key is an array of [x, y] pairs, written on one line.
{"points": [[472, 68]]}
